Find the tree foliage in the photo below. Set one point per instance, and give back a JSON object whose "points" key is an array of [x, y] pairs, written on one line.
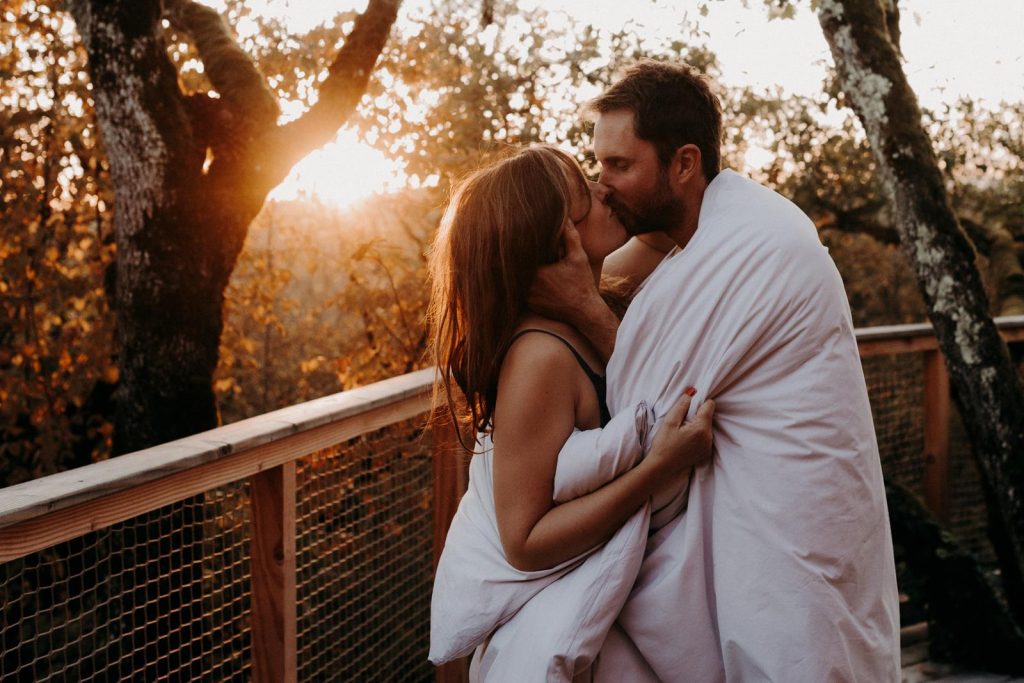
{"points": [[325, 300], [452, 90], [55, 328]]}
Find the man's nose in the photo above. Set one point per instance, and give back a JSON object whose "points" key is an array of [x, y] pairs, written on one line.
{"points": [[602, 180], [600, 191]]}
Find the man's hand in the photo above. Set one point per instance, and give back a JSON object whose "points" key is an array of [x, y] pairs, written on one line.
{"points": [[564, 288], [566, 291]]}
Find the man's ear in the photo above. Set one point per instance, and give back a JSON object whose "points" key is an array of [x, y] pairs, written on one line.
{"points": [[686, 165]]}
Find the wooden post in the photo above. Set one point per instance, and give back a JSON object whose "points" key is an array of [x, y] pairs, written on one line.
{"points": [[936, 435], [450, 473], [272, 558]]}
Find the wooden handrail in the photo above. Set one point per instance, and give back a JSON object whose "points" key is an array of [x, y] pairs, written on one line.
{"points": [[46, 511], [895, 339]]}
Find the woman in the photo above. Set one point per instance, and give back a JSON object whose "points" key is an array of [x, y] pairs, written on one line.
{"points": [[528, 382]]}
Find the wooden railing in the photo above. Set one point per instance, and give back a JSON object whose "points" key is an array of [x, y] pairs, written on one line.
{"points": [[920, 339], [41, 514], [37, 516]]}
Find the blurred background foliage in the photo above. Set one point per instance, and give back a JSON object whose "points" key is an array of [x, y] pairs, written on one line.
{"points": [[325, 298]]}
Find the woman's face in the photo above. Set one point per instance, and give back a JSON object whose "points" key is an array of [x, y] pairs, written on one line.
{"points": [[601, 233]]}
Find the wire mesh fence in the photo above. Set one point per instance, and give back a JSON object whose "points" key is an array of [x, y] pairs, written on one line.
{"points": [[364, 558], [162, 596], [167, 595], [897, 391], [968, 516]]}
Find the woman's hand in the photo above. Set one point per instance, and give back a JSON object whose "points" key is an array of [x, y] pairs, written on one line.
{"points": [[680, 443]]}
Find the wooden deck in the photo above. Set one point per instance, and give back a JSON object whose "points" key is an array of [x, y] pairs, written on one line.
{"points": [[917, 668]]}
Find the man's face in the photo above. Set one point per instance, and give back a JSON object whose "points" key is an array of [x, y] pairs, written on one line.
{"points": [[639, 189]]}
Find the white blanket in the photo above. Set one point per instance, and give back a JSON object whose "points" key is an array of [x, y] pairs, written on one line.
{"points": [[543, 625], [782, 568]]}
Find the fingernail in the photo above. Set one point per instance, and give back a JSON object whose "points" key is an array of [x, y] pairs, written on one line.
{"points": [[690, 391]]}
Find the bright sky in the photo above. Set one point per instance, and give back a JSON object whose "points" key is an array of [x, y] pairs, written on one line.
{"points": [[952, 50]]}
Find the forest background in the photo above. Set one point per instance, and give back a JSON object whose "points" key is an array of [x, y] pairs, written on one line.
{"points": [[325, 298]]}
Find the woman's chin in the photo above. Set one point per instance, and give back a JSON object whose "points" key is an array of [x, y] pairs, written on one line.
{"points": [[623, 237]]}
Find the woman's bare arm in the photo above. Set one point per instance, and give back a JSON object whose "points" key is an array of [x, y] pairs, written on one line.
{"points": [[534, 416], [638, 257]]}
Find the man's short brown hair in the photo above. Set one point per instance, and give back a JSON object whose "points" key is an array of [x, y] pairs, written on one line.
{"points": [[672, 106]]}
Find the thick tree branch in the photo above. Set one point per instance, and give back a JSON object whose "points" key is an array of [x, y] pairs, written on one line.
{"points": [[340, 92], [231, 71], [840, 221], [1006, 271], [864, 221], [991, 241]]}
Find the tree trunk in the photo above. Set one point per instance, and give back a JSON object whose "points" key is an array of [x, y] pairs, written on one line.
{"points": [[190, 172], [146, 131], [985, 383]]}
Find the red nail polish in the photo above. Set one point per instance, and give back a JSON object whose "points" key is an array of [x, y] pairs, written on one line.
{"points": [[690, 391]]}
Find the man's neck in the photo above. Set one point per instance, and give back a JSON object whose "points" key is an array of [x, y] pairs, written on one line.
{"points": [[682, 235], [687, 225]]}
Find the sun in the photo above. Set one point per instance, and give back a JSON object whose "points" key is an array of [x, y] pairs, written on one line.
{"points": [[341, 173]]}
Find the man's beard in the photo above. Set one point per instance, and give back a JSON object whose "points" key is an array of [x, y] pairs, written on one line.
{"points": [[656, 213]]}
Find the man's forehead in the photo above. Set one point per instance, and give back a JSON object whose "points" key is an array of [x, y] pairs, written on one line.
{"points": [[614, 135]]}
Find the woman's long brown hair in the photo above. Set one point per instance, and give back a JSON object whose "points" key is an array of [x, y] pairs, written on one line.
{"points": [[503, 222]]}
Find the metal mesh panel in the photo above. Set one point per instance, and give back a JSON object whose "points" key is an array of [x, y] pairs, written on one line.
{"points": [[895, 389], [968, 514], [162, 596], [364, 558]]}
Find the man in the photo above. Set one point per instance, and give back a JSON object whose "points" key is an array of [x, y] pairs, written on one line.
{"points": [[781, 569]]}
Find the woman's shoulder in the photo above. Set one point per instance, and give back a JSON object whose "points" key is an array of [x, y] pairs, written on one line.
{"points": [[539, 342], [539, 375], [549, 348], [538, 339], [544, 335]]}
